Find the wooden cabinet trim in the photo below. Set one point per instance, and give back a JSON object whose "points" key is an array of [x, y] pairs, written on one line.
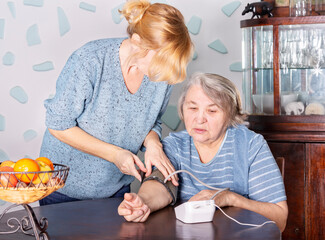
{"points": [[282, 21]]}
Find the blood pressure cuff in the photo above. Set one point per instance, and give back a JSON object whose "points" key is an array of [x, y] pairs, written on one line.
{"points": [[171, 188]]}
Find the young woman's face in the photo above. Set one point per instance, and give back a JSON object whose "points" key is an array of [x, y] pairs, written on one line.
{"points": [[204, 120]]}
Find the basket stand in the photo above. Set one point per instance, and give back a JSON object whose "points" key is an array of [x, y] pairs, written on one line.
{"points": [[23, 194], [29, 225]]}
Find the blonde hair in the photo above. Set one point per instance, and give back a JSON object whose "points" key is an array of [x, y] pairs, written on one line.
{"points": [[161, 27], [221, 91]]}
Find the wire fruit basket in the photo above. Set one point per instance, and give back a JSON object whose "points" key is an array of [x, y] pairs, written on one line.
{"points": [[23, 188]]}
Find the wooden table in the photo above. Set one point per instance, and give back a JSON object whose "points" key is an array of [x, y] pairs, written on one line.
{"points": [[98, 219]]}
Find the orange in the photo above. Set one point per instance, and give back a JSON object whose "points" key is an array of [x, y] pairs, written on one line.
{"points": [[7, 163], [26, 165], [43, 177], [7, 180], [46, 161]]}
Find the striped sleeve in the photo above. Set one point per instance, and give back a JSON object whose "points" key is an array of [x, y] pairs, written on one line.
{"points": [[171, 151], [265, 180]]}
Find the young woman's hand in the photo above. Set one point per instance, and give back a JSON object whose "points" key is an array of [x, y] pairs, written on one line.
{"points": [[155, 156], [126, 161], [133, 209]]}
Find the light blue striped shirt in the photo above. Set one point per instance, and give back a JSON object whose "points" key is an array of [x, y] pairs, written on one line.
{"points": [[244, 163]]}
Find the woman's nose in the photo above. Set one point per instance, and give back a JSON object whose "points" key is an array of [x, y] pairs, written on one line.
{"points": [[200, 117]]}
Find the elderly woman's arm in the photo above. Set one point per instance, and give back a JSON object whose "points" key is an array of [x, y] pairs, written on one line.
{"points": [[277, 212], [152, 196]]}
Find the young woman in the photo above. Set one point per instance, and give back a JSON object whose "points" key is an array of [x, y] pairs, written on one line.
{"points": [[109, 100]]}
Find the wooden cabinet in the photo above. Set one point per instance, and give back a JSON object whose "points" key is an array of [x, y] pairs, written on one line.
{"points": [[294, 181], [270, 82], [305, 188], [315, 192], [304, 171]]}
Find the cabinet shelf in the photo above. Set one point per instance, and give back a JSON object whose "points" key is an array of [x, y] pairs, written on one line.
{"points": [[282, 68]]}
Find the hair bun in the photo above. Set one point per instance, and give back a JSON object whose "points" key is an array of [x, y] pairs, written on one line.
{"points": [[133, 10]]}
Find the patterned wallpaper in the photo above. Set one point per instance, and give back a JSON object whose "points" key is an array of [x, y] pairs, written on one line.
{"points": [[37, 37]]}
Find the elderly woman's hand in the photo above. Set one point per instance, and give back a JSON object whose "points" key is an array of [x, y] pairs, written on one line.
{"points": [[223, 199], [125, 161], [155, 155], [133, 209]]}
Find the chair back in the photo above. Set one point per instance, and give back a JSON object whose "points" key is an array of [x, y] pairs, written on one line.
{"points": [[280, 161]]}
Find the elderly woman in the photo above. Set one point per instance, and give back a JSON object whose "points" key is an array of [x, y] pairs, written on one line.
{"points": [[220, 151]]}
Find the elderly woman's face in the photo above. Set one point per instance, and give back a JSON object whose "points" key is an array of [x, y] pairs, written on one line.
{"points": [[203, 119]]}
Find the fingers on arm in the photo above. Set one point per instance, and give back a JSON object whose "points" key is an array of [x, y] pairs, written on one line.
{"points": [[149, 168], [130, 169], [167, 169], [134, 171], [170, 170], [139, 163]]}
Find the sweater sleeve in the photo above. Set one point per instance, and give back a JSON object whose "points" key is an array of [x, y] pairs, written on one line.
{"points": [[157, 126], [73, 91]]}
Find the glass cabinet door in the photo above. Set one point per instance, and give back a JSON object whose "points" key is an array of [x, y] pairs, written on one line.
{"points": [[301, 56], [258, 69]]}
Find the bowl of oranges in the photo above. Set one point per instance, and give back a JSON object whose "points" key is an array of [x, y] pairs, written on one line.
{"points": [[28, 180]]}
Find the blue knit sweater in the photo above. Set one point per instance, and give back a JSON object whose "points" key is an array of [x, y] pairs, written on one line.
{"points": [[91, 94]]}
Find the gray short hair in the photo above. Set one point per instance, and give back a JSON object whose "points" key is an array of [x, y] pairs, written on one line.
{"points": [[221, 91]]}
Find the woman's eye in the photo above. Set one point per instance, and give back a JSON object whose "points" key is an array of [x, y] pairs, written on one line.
{"points": [[192, 108], [212, 111]]}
